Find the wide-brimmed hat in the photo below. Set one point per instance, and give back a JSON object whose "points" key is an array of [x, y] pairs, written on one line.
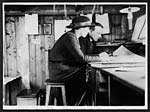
{"points": [[80, 21], [97, 24]]}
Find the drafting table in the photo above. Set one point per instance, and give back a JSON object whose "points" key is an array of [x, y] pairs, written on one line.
{"points": [[128, 72]]}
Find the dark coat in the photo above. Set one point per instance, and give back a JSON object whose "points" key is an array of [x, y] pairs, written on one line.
{"points": [[88, 45], [66, 58]]}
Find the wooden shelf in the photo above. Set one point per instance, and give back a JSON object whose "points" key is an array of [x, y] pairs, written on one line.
{"points": [[9, 79]]}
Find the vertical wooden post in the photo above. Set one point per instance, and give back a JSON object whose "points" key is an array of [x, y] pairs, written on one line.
{"points": [[123, 26], [38, 62], [109, 91], [22, 51], [4, 56], [43, 61], [32, 63], [11, 46]]}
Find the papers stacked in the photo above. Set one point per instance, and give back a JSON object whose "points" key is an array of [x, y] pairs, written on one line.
{"points": [[123, 55]]}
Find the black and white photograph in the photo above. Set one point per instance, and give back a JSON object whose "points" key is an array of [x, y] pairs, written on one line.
{"points": [[75, 55]]}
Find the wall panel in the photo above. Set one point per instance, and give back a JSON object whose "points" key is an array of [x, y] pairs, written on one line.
{"points": [[10, 46]]}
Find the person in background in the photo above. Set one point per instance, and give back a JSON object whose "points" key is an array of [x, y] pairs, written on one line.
{"points": [[88, 44], [67, 62]]}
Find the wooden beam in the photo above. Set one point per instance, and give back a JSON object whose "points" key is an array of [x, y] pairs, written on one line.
{"points": [[47, 12]]}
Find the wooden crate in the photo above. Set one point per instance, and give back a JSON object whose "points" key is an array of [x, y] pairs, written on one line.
{"points": [[28, 97]]}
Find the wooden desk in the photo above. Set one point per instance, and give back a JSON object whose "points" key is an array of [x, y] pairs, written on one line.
{"points": [[131, 75], [7, 81]]}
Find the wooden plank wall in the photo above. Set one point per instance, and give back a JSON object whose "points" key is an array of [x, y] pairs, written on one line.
{"points": [[16, 47], [5, 74], [11, 46], [38, 53], [22, 51], [118, 28], [27, 55], [15, 55]]}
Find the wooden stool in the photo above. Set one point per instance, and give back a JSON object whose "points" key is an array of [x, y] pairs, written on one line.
{"points": [[49, 86]]}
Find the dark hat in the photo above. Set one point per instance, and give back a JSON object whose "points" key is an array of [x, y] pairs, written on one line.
{"points": [[80, 21], [97, 24]]}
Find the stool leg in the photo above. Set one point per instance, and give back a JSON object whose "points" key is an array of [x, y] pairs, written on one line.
{"points": [[94, 99], [48, 88], [55, 101], [64, 95]]}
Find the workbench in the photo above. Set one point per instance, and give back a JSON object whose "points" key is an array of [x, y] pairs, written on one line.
{"points": [[125, 71]]}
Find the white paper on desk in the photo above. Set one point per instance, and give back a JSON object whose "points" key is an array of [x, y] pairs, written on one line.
{"points": [[122, 54], [121, 51], [123, 69], [139, 71], [123, 58]]}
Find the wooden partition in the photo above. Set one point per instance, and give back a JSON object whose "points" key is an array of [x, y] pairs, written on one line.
{"points": [[27, 55], [118, 28]]}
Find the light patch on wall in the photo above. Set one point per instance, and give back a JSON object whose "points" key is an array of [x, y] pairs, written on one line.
{"points": [[48, 29], [36, 40], [139, 32], [89, 16], [31, 23], [104, 20], [60, 28]]}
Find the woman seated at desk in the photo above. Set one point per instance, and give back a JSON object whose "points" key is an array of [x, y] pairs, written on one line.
{"points": [[67, 62]]}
